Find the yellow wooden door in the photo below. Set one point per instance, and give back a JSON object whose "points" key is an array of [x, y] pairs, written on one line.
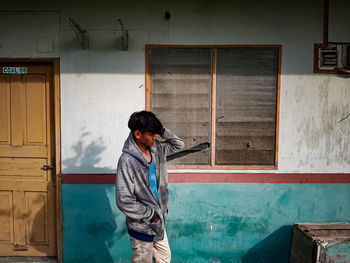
{"points": [[27, 186]]}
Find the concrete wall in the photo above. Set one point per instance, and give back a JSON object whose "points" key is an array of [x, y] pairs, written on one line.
{"points": [[247, 223], [102, 86]]}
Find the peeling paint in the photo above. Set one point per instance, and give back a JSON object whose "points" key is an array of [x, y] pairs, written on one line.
{"points": [[336, 252]]}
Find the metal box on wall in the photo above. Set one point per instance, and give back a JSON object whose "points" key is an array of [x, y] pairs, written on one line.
{"points": [[320, 243]]}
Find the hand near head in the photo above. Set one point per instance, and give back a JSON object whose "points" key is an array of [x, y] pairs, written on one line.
{"points": [[145, 121]]}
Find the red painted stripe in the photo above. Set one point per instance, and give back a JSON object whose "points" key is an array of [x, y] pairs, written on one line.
{"points": [[88, 178], [273, 178]]}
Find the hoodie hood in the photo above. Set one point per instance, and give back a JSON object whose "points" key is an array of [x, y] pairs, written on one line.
{"points": [[131, 148]]}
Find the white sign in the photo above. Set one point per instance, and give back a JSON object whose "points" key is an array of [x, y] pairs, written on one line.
{"points": [[14, 70]]}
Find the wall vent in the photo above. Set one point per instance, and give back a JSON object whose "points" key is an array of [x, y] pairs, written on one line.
{"points": [[332, 58]]}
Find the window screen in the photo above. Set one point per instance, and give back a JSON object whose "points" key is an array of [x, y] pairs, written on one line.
{"points": [[246, 98], [245, 108], [180, 95]]}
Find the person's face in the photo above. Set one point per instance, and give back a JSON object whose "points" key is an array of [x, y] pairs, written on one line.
{"points": [[146, 138]]}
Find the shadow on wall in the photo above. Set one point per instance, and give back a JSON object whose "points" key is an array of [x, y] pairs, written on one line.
{"points": [[274, 248], [86, 157], [90, 220], [90, 224]]}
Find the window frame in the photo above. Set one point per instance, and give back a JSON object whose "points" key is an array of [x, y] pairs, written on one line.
{"points": [[214, 48]]}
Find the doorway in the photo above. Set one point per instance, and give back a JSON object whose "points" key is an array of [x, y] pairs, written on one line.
{"points": [[28, 159]]}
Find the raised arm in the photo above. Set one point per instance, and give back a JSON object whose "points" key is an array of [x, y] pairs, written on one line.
{"points": [[172, 143]]}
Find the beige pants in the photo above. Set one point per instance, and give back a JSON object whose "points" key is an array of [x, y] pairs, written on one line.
{"points": [[144, 252]]}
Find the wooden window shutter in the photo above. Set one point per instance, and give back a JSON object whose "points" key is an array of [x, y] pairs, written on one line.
{"points": [[180, 95], [246, 98]]}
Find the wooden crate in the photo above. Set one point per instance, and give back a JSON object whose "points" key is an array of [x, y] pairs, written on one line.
{"points": [[320, 243]]}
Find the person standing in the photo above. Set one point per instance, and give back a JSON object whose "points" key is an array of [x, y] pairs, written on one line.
{"points": [[142, 186]]}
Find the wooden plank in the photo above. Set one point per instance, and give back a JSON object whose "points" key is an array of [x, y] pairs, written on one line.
{"points": [[180, 56], [5, 125], [198, 158], [245, 128], [6, 217], [302, 248], [222, 167], [194, 115], [245, 157], [26, 251], [178, 101], [278, 105], [247, 115], [28, 185], [189, 128], [57, 131], [324, 226], [165, 85], [245, 142], [213, 107], [33, 151], [23, 167]]}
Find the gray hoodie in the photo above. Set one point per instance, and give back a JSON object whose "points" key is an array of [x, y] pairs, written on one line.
{"points": [[134, 196]]}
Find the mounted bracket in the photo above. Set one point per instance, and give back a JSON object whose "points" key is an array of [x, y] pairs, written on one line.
{"points": [[81, 34], [124, 35]]}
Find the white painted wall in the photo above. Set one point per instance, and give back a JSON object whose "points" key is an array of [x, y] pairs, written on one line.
{"points": [[102, 86]]}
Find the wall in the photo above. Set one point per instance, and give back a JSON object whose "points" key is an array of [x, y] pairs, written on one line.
{"points": [[207, 222], [102, 86]]}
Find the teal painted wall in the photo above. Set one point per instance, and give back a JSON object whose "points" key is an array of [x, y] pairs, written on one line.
{"points": [[206, 223], [340, 253]]}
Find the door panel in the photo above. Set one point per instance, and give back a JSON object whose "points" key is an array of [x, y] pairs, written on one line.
{"points": [[20, 168], [37, 220], [27, 187], [18, 108], [5, 126], [6, 216], [35, 130]]}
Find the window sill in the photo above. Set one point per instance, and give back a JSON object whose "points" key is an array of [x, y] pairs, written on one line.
{"points": [[222, 167]]}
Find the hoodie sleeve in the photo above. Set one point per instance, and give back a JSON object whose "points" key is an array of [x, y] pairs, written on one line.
{"points": [[125, 198], [172, 143]]}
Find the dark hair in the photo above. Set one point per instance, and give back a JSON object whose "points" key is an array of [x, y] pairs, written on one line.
{"points": [[145, 121]]}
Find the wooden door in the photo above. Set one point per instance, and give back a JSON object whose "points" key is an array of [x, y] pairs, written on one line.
{"points": [[27, 183]]}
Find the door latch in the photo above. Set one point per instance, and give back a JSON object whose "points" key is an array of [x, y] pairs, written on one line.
{"points": [[47, 167]]}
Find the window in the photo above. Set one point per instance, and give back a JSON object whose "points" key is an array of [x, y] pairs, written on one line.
{"points": [[225, 95]]}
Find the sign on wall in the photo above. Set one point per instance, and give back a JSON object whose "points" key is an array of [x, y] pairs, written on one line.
{"points": [[14, 70]]}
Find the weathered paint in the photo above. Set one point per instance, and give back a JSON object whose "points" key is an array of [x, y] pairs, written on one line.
{"points": [[339, 253], [220, 178], [207, 222], [101, 86]]}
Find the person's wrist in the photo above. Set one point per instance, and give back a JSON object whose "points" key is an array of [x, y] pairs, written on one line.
{"points": [[154, 218]]}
